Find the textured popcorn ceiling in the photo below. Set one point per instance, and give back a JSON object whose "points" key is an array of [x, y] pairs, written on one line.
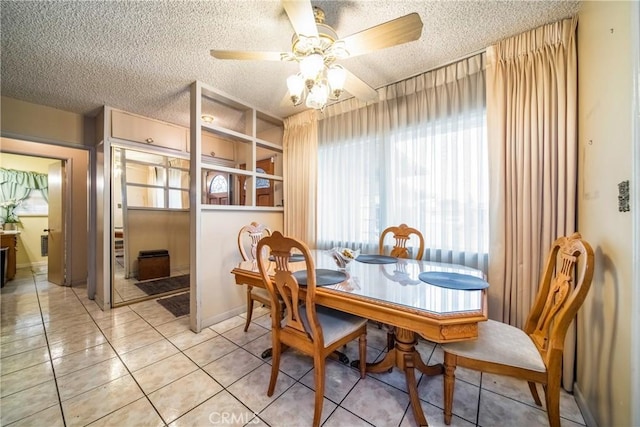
{"points": [[142, 56]]}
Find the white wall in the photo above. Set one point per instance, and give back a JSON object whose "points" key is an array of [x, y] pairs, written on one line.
{"points": [[42, 123], [149, 229], [605, 123], [221, 298]]}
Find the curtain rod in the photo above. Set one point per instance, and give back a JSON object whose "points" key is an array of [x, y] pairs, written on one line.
{"points": [[467, 56], [437, 67]]}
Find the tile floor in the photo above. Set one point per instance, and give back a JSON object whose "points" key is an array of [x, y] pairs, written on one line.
{"points": [[67, 363], [125, 289]]}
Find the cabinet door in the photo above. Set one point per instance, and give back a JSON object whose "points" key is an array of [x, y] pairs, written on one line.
{"points": [[10, 241], [215, 146], [147, 131]]}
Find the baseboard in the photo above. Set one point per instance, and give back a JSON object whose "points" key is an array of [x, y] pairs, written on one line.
{"points": [[589, 420], [101, 304], [78, 282], [32, 265], [223, 316], [37, 267]]}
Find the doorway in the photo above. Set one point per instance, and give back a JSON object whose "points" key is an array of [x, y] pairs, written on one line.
{"points": [[39, 212], [264, 186], [73, 239], [150, 214]]}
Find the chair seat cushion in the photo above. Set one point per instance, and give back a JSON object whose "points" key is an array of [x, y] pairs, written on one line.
{"points": [[335, 324], [261, 295], [500, 343]]}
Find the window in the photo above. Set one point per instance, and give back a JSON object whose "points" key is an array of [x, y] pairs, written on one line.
{"points": [[419, 159], [219, 185], [151, 180], [262, 182], [435, 182], [218, 188]]}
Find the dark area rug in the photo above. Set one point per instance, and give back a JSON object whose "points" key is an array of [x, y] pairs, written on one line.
{"points": [[167, 284], [178, 305]]}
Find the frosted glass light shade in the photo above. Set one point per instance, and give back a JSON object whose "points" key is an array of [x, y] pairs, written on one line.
{"points": [[295, 84], [336, 75], [318, 96], [311, 66]]}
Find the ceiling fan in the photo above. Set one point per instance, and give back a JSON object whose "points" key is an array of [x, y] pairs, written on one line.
{"points": [[317, 47]]}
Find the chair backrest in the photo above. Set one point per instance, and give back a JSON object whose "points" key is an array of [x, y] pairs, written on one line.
{"points": [[563, 288], [254, 232], [402, 233], [301, 320]]}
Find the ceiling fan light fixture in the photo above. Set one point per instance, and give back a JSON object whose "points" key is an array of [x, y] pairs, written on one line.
{"points": [[302, 46], [310, 67], [336, 76], [338, 50], [318, 96], [295, 84], [315, 46]]}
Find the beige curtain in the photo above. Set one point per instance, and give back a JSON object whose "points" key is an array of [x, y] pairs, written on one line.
{"points": [[532, 129], [300, 176], [418, 156]]}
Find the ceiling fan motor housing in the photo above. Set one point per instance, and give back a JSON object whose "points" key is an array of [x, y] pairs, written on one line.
{"points": [[302, 46]]}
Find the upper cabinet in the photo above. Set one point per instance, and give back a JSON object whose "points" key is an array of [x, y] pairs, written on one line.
{"points": [[238, 150], [135, 128], [216, 147]]}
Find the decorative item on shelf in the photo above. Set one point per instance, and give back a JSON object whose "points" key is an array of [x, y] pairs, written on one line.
{"points": [[343, 256], [9, 217]]}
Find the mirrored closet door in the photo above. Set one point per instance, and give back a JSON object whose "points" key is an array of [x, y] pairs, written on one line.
{"points": [[150, 225]]}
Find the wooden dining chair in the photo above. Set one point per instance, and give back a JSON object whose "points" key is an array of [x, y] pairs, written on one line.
{"points": [[314, 330], [248, 238], [535, 353], [401, 235]]}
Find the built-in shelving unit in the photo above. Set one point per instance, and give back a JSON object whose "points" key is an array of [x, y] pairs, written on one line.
{"points": [[236, 178], [239, 153]]}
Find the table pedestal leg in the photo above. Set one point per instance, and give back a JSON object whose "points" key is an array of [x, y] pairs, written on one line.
{"points": [[412, 388], [405, 357]]}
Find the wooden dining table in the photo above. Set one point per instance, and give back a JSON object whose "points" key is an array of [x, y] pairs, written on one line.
{"points": [[394, 294]]}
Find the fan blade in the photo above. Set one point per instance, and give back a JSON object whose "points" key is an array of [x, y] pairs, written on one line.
{"points": [[239, 54], [359, 89], [400, 30], [300, 14]]}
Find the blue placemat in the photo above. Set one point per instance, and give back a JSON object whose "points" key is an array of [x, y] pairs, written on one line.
{"points": [[324, 277], [292, 258], [377, 259], [453, 280]]}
